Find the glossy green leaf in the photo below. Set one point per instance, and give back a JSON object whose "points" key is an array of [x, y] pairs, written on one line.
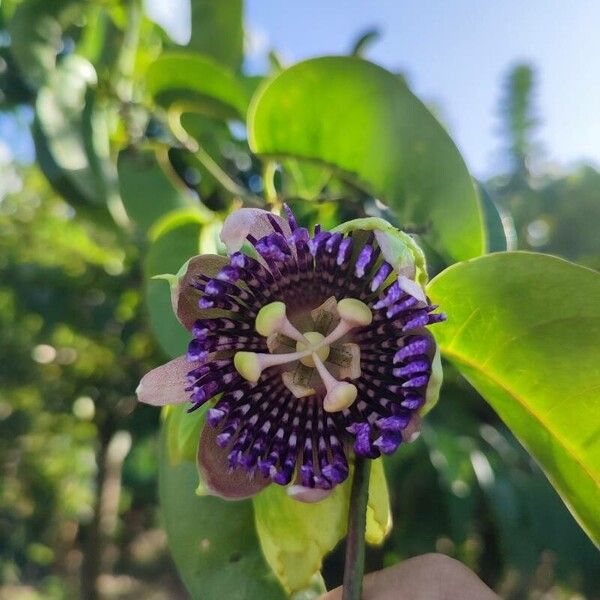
{"points": [[182, 432], [60, 180], [149, 188], [493, 222], [304, 180], [499, 225], [65, 120], [217, 30], [95, 130], [174, 240], [524, 329], [194, 82], [296, 536], [213, 542], [379, 515], [363, 120], [36, 29]]}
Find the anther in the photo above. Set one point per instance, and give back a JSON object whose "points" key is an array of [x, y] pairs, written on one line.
{"points": [[251, 364], [353, 313], [272, 319], [340, 394]]}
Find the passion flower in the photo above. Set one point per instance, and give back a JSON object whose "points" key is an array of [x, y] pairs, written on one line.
{"points": [[306, 349]]}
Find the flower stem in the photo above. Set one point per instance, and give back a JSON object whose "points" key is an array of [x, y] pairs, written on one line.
{"points": [[357, 519]]}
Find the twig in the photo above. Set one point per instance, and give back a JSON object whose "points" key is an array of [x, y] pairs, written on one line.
{"points": [[357, 519]]}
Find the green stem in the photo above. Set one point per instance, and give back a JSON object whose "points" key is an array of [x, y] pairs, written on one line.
{"points": [[269, 184], [357, 520], [191, 145]]}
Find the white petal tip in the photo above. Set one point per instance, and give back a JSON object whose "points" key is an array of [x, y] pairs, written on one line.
{"points": [[414, 436], [308, 495]]}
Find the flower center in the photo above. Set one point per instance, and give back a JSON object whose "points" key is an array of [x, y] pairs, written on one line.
{"points": [[313, 350], [313, 344]]}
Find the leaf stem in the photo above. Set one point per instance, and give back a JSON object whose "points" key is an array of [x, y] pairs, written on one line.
{"points": [[269, 184], [357, 519], [191, 145]]}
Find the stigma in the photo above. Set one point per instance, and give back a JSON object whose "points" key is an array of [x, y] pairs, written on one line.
{"points": [[317, 353]]}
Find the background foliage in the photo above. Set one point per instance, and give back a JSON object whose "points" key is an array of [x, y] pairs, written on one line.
{"points": [[118, 115]]}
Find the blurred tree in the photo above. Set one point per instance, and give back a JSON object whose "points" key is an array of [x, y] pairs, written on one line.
{"points": [[519, 123], [73, 348], [554, 211]]}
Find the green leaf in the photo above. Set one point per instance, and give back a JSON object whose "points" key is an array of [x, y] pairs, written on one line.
{"points": [[60, 180], [149, 188], [95, 131], [379, 514], [524, 329], [213, 542], [175, 239], [196, 83], [498, 225], [183, 432], [36, 29], [353, 115], [295, 536], [66, 121], [304, 180], [217, 30]]}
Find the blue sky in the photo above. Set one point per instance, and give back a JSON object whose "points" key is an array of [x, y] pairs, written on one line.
{"points": [[456, 53]]}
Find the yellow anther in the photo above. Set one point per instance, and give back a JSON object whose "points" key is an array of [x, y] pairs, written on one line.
{"points": [[340, 397], [355, 312], [340, 394], [271, 319], [248, 365], [251, 364]]}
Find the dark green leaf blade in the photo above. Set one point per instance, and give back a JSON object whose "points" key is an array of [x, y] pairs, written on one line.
{"points": [[500, 229], [363, 120], [174, 240], [36, 29], [196, 83], [213, 542], [217, 30], [147, 190], [60, 112], [524, 329]]}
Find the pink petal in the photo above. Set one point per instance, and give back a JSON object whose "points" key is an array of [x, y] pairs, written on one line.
{"points": [[185, 297], [166, 384], [307, 495], [249, 221], [215, 473]]}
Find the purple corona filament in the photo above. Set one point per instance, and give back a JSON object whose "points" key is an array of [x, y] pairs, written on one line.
{"points": [[296, 410]]}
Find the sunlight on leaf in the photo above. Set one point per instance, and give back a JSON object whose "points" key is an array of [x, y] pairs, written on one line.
{"points": [[523, 328], [196, 83], [363, 120], [295, 536], [174, 240], [213, 542]]}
